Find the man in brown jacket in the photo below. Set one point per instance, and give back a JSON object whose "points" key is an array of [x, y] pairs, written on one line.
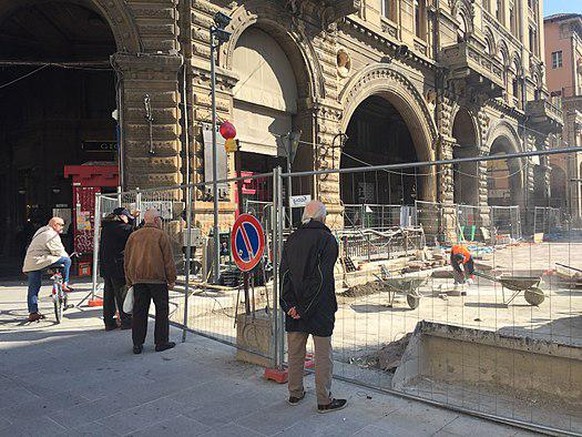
{"points": [[150, 269]]}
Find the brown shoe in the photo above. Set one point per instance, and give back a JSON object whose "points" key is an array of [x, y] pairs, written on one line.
{"points": [[35, 317]]}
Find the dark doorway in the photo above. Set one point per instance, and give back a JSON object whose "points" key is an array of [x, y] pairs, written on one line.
{"points": [[378, 135], [57, 95]]}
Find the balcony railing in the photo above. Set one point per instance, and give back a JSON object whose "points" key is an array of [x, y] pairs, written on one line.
{"points": [[466, 61], [544, 116]]}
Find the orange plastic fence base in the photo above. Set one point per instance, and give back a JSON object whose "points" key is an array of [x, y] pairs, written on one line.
{"points": [[95, 302], [280, 376]]}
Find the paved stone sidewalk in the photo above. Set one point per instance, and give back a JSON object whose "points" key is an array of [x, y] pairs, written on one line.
{"points": [[76, 379]]}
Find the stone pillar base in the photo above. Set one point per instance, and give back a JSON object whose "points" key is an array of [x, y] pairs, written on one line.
{"points": [[254, 336]]}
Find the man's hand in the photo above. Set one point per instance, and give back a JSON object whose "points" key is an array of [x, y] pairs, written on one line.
{"points": [[293, 313], [171, 285]]}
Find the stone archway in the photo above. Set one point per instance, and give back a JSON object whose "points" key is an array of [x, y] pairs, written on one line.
{"points": [[465, 175], [381, 81], [505, 178], [115, 12]]}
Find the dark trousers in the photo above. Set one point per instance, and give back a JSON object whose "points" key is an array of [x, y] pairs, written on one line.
{"points": [[142, 294], [113, 296]]}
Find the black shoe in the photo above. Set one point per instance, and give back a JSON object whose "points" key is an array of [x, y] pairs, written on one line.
{"points": [[335, 404], [294, 400], [137, 349], [124, 327], [110, 327], [165, 346]]}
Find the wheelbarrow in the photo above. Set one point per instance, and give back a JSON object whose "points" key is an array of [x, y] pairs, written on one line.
{"points": [[407, 285], [516, 284]]}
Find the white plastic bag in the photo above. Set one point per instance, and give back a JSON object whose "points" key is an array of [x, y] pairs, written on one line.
{"points": [[128, 302]]}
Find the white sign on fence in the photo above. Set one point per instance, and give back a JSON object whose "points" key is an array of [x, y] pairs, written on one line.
{"points": [[300, 201], [163, 206]]}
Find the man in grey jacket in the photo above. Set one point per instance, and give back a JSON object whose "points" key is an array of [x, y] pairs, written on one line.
{"points": [[46, 249]]}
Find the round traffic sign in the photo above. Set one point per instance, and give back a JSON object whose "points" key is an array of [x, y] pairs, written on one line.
{"points": [[247, 242]]}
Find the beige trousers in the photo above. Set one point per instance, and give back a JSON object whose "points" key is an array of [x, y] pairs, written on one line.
{"points": [[296, 343]]}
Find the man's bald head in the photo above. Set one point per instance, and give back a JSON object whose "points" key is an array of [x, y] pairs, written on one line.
{"points": [[314, 210], [57, 223], [151, 216]]}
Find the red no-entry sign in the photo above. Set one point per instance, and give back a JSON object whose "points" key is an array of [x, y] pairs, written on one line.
{"points": [[247, 242]]}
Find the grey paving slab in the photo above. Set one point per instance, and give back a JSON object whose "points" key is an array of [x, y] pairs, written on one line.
{"points": [[92, 411], [142, 416], [175, 426], [32, 426], [463, 426], [92, 429], [232, 430]]}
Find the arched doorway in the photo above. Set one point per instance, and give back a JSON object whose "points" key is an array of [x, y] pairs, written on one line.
{"points": [[504, 176], [466, 175], [264, 100], [378, 134], [58, 94], [558, 188]]}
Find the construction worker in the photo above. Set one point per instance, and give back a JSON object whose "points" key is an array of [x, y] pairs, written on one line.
{"points": [[460, 256]]}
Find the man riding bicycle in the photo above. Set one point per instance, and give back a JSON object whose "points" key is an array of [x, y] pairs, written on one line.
{"points": [[45, 250]]}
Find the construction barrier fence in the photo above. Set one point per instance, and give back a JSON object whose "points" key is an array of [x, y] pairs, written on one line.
{"points": [[506, 345]]}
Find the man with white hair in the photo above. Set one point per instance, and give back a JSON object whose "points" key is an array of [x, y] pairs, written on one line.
{"points": [[309, 301], [45, 250], [150, 269]]}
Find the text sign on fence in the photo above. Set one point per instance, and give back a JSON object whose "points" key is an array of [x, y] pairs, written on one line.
{"points": [[247, 242], [300, 201]]}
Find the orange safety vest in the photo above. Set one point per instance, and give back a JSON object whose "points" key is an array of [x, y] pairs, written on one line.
{"points": [[462, 250]]}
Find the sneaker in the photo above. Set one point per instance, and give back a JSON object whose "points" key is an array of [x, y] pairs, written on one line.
{"points": [[67, 288], [35, 317], [334, 405], [294, 400], [137, 349], [165, 346]]}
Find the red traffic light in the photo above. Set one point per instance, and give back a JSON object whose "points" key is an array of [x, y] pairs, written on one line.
{"points": [[227, 130]]}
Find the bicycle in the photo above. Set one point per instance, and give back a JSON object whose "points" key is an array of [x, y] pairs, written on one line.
{"points": [[59, 296]]}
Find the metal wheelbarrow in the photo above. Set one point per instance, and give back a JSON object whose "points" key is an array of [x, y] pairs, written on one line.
{"points": [[407, 285], [516, 284]]}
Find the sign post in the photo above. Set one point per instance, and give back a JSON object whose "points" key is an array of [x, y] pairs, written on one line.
{"points": [[247, 243]]}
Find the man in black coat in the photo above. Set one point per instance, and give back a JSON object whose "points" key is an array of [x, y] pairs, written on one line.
{"points": [[115, 231], [309, 301]]}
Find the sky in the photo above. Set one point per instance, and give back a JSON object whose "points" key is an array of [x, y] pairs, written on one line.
{"points": [[557, 6]]}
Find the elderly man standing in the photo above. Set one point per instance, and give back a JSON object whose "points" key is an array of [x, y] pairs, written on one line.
{"points": [[309, 301], [45, 250], [150, 269]]}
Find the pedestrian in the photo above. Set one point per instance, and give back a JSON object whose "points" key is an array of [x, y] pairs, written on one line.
{"points": [[463, 265], [150, 269], [309, 301], [45, 250], [115, 231]]}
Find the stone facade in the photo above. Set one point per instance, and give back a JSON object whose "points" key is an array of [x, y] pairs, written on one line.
{"points": [[431, 59]]}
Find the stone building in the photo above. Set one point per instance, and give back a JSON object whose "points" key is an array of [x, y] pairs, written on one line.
{"points": [[406, 80], [563, 38]]}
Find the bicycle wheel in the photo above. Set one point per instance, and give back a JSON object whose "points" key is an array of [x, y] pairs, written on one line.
{"points": [[58, 303]]}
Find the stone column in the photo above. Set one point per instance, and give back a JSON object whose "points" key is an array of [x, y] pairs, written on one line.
{"points": [[154, 75], [446, 192], [328, 153]]}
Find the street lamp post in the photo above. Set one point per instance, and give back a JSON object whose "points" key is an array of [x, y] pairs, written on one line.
{"points": [[292, 142], [217, 36]]}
